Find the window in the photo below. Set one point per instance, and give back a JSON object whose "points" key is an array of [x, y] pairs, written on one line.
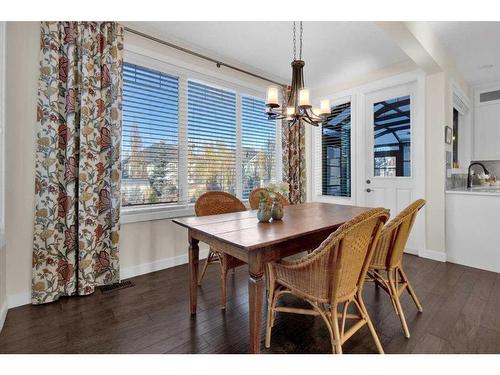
{"points": [[392, 138], [183, 137], [211, 140], [455, 138], [336, 152], [258, 144], [150, 158]]}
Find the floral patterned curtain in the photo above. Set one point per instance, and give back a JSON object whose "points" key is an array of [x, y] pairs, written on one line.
{"points": [[77, 183], [294, 162]]}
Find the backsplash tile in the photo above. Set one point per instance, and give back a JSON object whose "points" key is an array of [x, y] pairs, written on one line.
{"points": [[493, 167]]}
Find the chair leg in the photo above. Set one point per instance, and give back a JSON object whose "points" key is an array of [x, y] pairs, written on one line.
{"points": [[207, 261], [410, 289], [365, 315], [270, 313], [391, 294], [336, 330], [223, 275], [395, 298]]}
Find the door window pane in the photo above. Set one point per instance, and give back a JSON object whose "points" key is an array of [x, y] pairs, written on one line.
{"points": [[392, 137]]}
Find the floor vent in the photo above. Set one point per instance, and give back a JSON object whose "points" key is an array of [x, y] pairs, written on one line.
{"points": [[117, 286]]}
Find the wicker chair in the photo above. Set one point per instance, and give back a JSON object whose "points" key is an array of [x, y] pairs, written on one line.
{"points": [[332, 275], [214, 203], [388, 257], [254, 198]]}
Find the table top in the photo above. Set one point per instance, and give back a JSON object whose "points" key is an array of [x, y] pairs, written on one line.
{"points": [[243, 230]]}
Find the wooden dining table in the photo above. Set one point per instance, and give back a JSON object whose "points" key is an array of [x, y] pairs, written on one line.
{"points": [[241, 235]]}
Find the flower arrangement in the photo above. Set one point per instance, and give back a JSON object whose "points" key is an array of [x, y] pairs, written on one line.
{"points": [[274, 188]]}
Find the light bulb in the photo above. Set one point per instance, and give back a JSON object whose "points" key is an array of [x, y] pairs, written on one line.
{"points": [[304, 100], [325, 108], [272, 95]]}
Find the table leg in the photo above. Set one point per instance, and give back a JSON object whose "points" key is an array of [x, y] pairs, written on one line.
{"points": [[255, 297], [194, 252]]}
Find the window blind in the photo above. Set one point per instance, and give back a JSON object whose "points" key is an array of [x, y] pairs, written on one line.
{"points": [[336, 152], [150, 155], [211, 140], [258, 145]]}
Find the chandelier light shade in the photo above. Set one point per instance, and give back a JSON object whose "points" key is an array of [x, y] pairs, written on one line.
{"points": [[298, 98]]}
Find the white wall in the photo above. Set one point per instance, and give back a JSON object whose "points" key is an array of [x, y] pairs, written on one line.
{"points": [[3, 276], [144, 246], [435, 119], [21, 83]]}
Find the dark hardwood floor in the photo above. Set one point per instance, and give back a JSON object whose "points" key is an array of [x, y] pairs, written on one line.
{"points": [[461, 315]]}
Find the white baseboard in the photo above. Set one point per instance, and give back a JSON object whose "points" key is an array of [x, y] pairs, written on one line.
{"points": [[440, 256], [157, 265], [3, 314], [20, 299], [411, 251]]}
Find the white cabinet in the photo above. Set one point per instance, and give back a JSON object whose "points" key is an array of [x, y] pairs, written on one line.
{"points": [[486, 145], [472, 235]]}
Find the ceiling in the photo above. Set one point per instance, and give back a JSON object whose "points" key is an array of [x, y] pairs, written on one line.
{"points": [[474, 46], [334, 52]]}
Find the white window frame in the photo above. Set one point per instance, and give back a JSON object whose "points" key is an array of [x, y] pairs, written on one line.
{"points": [[317, 162], [147, 212]]}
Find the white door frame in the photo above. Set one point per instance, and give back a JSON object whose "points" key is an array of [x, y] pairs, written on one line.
{"points": [[358, 97], [418, 139]]}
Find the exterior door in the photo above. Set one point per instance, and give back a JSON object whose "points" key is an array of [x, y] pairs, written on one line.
{"points": [[389, 137]]}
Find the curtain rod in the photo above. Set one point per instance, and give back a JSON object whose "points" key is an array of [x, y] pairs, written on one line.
{"points": [[185, 50]]}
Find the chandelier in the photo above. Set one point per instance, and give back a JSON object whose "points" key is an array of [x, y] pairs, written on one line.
{"points": [[298, 102]]}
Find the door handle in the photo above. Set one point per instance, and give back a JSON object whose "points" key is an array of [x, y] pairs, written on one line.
{"points": [[368, 181], [368, 190]]}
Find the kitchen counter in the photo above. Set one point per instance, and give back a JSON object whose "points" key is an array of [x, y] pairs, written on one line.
{"points": [[476, 190]]}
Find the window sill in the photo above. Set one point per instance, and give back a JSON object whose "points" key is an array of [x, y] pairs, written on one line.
{"points": [[158, 212], [137, 214]]}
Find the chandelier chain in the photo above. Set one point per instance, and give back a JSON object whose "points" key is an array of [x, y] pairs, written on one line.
{"points": [[300, 48], [294, 43]]}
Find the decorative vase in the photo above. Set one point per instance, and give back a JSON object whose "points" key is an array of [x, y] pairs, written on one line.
{"points": [[264, 212], [277, 210]]}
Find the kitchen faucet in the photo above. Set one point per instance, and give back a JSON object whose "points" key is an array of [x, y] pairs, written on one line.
{"points": [[469, 182]]}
